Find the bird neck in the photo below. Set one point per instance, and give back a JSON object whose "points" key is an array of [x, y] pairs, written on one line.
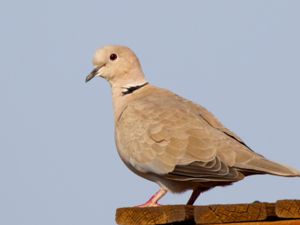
{"points": [[122, 93]]}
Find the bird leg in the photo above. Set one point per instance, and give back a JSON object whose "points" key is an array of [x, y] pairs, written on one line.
{"points": [[194, 196], [153, 201]]}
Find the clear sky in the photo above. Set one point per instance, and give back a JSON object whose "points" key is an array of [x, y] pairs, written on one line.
{"points": [[58, 161]]}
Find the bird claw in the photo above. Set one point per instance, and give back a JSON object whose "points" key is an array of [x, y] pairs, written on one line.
{"points": [[148, 204], [153, 201]]}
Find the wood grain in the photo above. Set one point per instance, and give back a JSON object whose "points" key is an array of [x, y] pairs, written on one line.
{"points": [[280, 222], [230, 213], [282, 212], [154, 215], [288, 208]]}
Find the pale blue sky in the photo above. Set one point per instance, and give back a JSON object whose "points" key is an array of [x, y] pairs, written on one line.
{"points": [[58, 162]]}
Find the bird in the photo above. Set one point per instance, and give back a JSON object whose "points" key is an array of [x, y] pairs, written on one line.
{"points": [[170, 140]]}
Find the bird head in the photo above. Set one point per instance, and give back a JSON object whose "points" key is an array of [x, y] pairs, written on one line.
{"points": [[118, 65]]}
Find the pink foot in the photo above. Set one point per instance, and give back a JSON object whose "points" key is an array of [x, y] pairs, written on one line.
{"points": [[148, 204], [153, 201]]}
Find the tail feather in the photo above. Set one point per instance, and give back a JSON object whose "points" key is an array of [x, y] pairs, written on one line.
{"points": [[260, 165]]}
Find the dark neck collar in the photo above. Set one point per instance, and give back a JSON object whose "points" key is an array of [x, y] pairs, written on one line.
{"points": [[130, 90]]}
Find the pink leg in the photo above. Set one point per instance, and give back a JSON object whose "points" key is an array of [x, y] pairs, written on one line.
{"points": [[153, 201]]}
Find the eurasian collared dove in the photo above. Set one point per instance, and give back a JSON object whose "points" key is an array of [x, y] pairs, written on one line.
{"points": [[169, 140]]}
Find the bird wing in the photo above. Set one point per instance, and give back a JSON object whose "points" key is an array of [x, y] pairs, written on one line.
{"points": [[162, 133]]}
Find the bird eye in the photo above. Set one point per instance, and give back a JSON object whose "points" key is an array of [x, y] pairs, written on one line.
{"points": [[113, 56]]}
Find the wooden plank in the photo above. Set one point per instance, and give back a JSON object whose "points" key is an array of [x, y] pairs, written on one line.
{"points": [[154, 215], [230, 213], [212, 214], [288, 208], [270, 208], [281, 222]]}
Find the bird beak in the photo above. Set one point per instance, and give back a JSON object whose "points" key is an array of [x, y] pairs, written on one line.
{"points": [[92, 74]]}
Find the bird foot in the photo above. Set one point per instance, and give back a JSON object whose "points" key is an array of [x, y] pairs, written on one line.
{"points": [[149, 204], [153, 201]]}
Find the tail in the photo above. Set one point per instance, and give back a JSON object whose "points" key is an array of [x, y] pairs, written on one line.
{"points": [[261, 165]]}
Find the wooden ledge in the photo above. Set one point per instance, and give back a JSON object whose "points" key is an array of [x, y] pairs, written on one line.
{"points": [[283, 212]]}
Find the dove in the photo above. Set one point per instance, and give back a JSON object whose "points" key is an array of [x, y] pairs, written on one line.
{"points": [[170, 140]]}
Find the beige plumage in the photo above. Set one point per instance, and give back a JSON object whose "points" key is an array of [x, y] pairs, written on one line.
{"points": [[170, 140]]}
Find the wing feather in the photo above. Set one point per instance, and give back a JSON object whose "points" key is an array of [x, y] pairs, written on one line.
{"points": [[164, 134]]}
